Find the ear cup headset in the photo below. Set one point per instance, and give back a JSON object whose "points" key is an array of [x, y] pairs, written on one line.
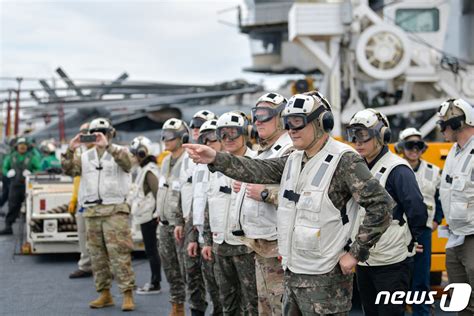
{"points": [[375, 123], [175, 128], [302, 105]]}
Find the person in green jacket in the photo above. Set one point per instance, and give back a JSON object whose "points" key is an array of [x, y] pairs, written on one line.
{"points": [[49, 159], [20, 163]]}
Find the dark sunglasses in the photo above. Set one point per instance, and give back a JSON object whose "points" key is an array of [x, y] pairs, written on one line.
{"points": [[412, 144], [99, 130], [454, 123], [196, 122]]}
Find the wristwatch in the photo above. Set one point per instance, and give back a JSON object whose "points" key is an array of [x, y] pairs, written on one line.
{"points": [[264, 195]]}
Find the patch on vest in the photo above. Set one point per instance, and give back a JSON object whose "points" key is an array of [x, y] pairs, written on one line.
{"points": [[429, 174], [288, 174], [200, 176], [320, 174], [466, 163]]}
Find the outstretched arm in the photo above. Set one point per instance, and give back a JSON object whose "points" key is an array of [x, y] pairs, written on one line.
{"points": [[263, 171]]}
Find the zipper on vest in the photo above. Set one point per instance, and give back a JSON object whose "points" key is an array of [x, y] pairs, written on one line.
{"points": [[99, 201]]}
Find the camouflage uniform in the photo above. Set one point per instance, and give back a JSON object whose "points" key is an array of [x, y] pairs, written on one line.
{"points": [[234, 271], [109, 239], [205, 279], [172, 252], [194, 276], [352, 179], [208, 271], [172, 258]]}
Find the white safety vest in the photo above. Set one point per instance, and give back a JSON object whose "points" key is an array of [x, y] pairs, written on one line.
{"points": [[223, 217], [102, 180], [143, 206], [312, 232], [259, 219], [393, 245], [169, 190], [428, 178], [457, 190], [186, 179], [200, 186]]}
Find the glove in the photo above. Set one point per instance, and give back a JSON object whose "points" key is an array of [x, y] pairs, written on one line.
{"points": [[11, 173], [72, 207], [26, 173]]}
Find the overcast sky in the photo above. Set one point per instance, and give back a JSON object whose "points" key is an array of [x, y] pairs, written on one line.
{"points": [[174, 41]]}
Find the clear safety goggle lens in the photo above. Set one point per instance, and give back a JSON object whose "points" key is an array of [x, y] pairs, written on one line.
{"points": [[295, 122], [207, 137], [360, 135], [229, 133], [167, 135]]}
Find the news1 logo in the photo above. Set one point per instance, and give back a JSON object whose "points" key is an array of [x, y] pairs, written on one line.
{"points": [[461, 293]]}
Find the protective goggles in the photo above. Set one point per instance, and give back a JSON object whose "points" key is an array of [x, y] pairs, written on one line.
{"points": [[207, 137], [299, 121], [358, 134], [167, 135], [454, 123], [229, 133], [412, 144], [265, 114], [99, 130], [196, 122]]}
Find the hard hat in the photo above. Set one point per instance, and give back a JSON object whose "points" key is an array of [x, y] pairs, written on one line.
{"points": [[47, 147], [21, 140], [453, 112], [373, 122], [208, 132], [101, 125], [141, 146], [408, 132], [200, 117], [264, 114], [302, 109], [210, 125], [403, 143], [234, 119], [174, 128]]}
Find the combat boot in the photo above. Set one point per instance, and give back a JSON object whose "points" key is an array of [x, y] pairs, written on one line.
{"points": [[105, 299], [177, 310], [128, 304]]}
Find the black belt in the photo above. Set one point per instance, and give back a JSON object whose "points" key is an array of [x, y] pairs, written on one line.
{"points": [[226, 190], [291, 195], [99, 201]]}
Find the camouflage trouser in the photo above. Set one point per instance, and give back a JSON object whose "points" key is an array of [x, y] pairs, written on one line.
{"points": [[110, 243], [194, 279], [269, 273], [323, 294], [235, 277], [172, 259], [211, 284]]}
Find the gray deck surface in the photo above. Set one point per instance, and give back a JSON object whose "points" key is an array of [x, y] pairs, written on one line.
{"points": [[38, 285]]}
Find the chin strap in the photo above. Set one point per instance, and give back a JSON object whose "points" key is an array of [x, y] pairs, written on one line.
{"points": [[318, 134]]}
